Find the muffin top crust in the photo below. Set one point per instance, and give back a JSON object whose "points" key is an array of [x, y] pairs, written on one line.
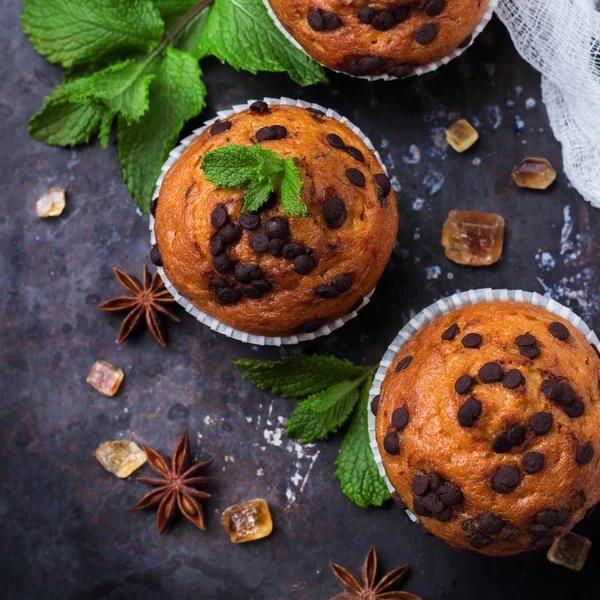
{"points": [[488, 425], [381, 37], [264, 272]]}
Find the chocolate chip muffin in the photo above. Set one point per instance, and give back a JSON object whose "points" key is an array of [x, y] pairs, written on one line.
{"points": [[263, 272], [488, 425], [382, 36]]}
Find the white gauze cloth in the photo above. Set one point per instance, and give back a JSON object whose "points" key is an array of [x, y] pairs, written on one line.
{"points": [[561, 39]]}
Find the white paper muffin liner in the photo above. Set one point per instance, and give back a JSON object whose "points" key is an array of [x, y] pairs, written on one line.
{"points": [[420, 70], [441, 308], [206, 319]]}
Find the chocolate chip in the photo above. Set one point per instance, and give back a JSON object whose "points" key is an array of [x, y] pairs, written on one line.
{"points": [[312, 326], [293, 249], [271, 132], [228, 295], [403, 364], [433, 503], [331, 21], [217, 246], [567, 395], [335, 141], [585, 453], [542, 542], [398, 501], [153, 206], [304, 264], [435, 481], [400, 419], [217, 284], [270, 203], [326, 291], [401, 70], [245, 273], [490, 523], [355, 153], [334, 212], [277, 227], [533, 462], [506, 479], [220, 127], [469, 526], [366, 14], [315, 20], [262, 285], [469, 412], [276, 247], [513, 379], [546, 518], [501, 443], [445, 515], [218, 218], [450, 333], [538, 530], [420, 485], [471, 340], [342, 283], [563, 517], [559, 331], [259, 242], [463, 384], [466, 41], [383, 21], [364, 65], [516, 435], [576, 409], [222, 263], [155, 256], [391, 444], [509, 533], [418, 507], [356, 177], [529, 351], [434, 7], [449, 493], [249, 221], [491, 372], [426, 34], [230, 233], [259, 106], [541, 422], [375, 404], [251, 291], [400, 13], [383, 181], [480, 541], [525, 340], [551, 389]]}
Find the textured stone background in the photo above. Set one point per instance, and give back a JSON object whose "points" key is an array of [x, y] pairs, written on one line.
{"points": [[65, 529]]}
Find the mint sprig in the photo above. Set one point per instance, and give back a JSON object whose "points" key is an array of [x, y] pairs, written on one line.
{"points": [[335, 391], [135, 62], [261, 171]]}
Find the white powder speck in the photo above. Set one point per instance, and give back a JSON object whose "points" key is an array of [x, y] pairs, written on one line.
{"points": [[518, 90], [434, 181], [418, 203], [433, 272], [417, 234], [519, 123], [384, 143], [494, 116], [273, 436], [490, 67], [450, 275], [229, 458], [530, 103], [476, 161], [259, 472], [395, 184], [545, 261], [208, 420], [296, 478], [291, 497], [412, 156], [249, 419]]}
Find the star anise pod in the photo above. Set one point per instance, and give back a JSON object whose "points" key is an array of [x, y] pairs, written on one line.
{"points": [[146, 300], [367, 590], [176, 486]]}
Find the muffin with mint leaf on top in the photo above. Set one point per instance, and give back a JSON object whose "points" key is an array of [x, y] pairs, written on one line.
{"points": [[275, 221]]}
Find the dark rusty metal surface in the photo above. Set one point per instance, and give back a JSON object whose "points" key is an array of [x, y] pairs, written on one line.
{"points": [[66, 529]]}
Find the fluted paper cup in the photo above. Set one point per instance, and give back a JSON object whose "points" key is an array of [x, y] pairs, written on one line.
{"points": [[206, 319], [419, 70]]}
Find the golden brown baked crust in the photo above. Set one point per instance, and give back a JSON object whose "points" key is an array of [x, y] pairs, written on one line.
{"points": [[383, 36], [488, 516], [359, 247]]}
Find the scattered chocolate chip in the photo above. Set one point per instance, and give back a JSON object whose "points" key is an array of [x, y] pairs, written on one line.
{"points": [[401, 71], [491, 372], [585, 453], [403, 363], [262, 285], [513, 379], [334, 212], [559, 331], [277, 227], [312, 326], [529, 351], [466, 41], [398, 501], [331, 21], [366, 14], [480, 541], [335, 141], [326, 291], [463, 384], [228, 295], [153, 206], [315, 20], [383, 181], [450, 333], [434, 7], [516, 435], [501, 443], [293, 249], [567, 395], [259, 242], [400, 419], [418, 507], [363, 65], [222, 263], [218, 218], [155, 256], [251, 291], [259, 106], [375, 404], [551, 389], [541, 422], [449, 493], [276, 247], [383, 21], [245, 273], [356, 177], [220, 127], [490, 523], [304, 264], [400, 13], [576, 409], [271, 132], [420, 485], [217, 246], [355, 153], [230, 233], [433, 503], [391, 444], [342, 283], [445, 515], [546, 518], [435, 481], [216, 284], [425, 34], [469, 412], [471, 340], [249, 221], [525, 340], [533, 462], [506, 479]]}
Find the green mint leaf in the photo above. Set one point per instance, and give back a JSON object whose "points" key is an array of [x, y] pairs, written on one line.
{"points": [[73, 32], [105, 128], [176, 95], [190, 37], [232, 166], [298, 376], [291, 188], [356, 468], [172, 10], [258, 193], [323, 413], [241, 33]]}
